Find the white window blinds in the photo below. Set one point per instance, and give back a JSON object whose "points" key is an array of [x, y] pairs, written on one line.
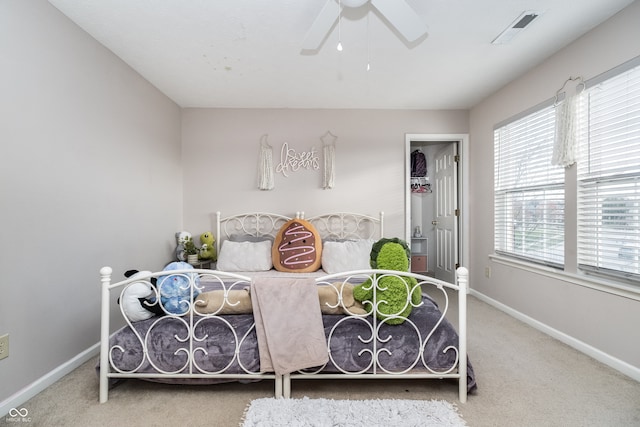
{"points": [[609, 178], [529, 191]]}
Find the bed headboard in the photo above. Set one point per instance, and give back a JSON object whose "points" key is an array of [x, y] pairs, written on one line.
{"points": [[336, 225], [256, 224], [348, 225]]}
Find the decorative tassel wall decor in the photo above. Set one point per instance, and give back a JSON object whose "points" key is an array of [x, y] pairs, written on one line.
{"points": [[266, 181], [329, 150], [565, 145]]}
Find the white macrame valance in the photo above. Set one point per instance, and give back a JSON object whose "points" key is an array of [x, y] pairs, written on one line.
{"points": [[565, 146], [265, 179], [329, 151]]}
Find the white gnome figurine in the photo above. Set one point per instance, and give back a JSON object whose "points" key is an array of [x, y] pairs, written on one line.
{"points": [[181, 238]]}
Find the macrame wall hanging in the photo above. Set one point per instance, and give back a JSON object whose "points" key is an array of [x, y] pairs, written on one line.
{"points": [[292, 161], [265, 180], [329, 151], [565, 145]]}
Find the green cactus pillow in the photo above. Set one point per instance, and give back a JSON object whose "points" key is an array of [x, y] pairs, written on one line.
{"points": [[393, 304]]}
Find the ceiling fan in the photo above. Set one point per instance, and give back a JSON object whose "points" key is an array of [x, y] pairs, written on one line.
{"points": [[399, 14]]}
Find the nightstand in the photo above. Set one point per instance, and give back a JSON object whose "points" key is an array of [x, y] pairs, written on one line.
{"points": [[204, 263]]}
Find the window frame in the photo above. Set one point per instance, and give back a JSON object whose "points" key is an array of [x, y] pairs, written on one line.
{"points": [[506, 196], [609, 195], [611, 283]]}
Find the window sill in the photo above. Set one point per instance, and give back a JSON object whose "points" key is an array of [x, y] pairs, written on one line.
{"points": [[610, 287]]}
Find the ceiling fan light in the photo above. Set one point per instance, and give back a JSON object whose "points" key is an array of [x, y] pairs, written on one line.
{"points": [[339, 47]]}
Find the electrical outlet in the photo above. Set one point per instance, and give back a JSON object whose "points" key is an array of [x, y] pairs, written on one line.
{"points": [[487, 272], [4, 346]]}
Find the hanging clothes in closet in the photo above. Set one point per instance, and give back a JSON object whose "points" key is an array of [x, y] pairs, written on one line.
{"points": [[419, 182]]}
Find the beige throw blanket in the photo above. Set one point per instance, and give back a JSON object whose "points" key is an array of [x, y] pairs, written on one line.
{"points": [[289, 325]]}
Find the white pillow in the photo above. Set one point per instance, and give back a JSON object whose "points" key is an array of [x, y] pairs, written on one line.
{"points": [[346, 256], [245, 256]]}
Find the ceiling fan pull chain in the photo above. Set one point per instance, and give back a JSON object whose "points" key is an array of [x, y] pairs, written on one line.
{"points": [[339, 47]]}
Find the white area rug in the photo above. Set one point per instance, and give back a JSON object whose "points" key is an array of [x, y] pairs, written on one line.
{"points": [[325, 412]]}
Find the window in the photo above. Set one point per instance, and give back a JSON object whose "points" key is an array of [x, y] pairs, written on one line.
{"points": [[530, 220], [609, 178], [529, 191]]}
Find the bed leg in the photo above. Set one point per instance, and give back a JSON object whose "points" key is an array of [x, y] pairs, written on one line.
{"points": [[286, 386], [105, 279], [278, 385], [463, 284]]}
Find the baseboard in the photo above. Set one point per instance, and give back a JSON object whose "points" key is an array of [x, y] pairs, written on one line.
{"points": [[599, 355], [22, 396]]}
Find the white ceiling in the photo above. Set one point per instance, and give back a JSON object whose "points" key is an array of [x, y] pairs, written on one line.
{"points": [[247, 53]]}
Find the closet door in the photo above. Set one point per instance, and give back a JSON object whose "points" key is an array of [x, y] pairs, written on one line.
{"points": [[446, 209]]}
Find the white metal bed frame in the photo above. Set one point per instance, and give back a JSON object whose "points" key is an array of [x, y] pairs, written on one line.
{"points": [[257, 224], [419, 369], [336, 225], [109, 371]]}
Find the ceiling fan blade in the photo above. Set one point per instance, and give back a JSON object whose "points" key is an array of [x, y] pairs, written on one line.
{"points": [[321, 26], [402, 17]]}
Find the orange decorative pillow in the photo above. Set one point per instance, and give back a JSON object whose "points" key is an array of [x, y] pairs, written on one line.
{"points": [[297, 247]]}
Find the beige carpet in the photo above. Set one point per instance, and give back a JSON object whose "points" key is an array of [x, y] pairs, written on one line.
{"points": [[525, 378]]}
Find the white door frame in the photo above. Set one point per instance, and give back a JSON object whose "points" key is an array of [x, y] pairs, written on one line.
{"points": [[463, 184]]}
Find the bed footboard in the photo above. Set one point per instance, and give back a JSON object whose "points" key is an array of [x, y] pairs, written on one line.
{"points": [[185, 342], [424, 346], [189, 343]]}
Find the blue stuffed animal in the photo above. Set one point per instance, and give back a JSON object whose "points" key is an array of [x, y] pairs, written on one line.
{"points": [[175, 289]]}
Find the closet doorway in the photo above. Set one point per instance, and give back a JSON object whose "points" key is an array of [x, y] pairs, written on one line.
{"points": [[436, 216]]}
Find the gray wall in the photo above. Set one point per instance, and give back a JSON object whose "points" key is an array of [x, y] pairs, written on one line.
{"points": [[221, 148], [605, 322], [88, 148]]}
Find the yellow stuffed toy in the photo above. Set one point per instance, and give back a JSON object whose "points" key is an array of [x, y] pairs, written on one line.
{"points": [[208, 249], [239, 301], [328, 298]]}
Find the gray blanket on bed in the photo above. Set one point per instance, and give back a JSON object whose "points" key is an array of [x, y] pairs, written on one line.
{"points": [[289, 327], [221, 336]]}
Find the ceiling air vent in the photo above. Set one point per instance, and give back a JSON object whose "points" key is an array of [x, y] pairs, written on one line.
{"points": [[516, 27]]}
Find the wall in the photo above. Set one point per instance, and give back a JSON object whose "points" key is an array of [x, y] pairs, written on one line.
{"points": [[88, 149], [221, 151], [604, 323]]}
